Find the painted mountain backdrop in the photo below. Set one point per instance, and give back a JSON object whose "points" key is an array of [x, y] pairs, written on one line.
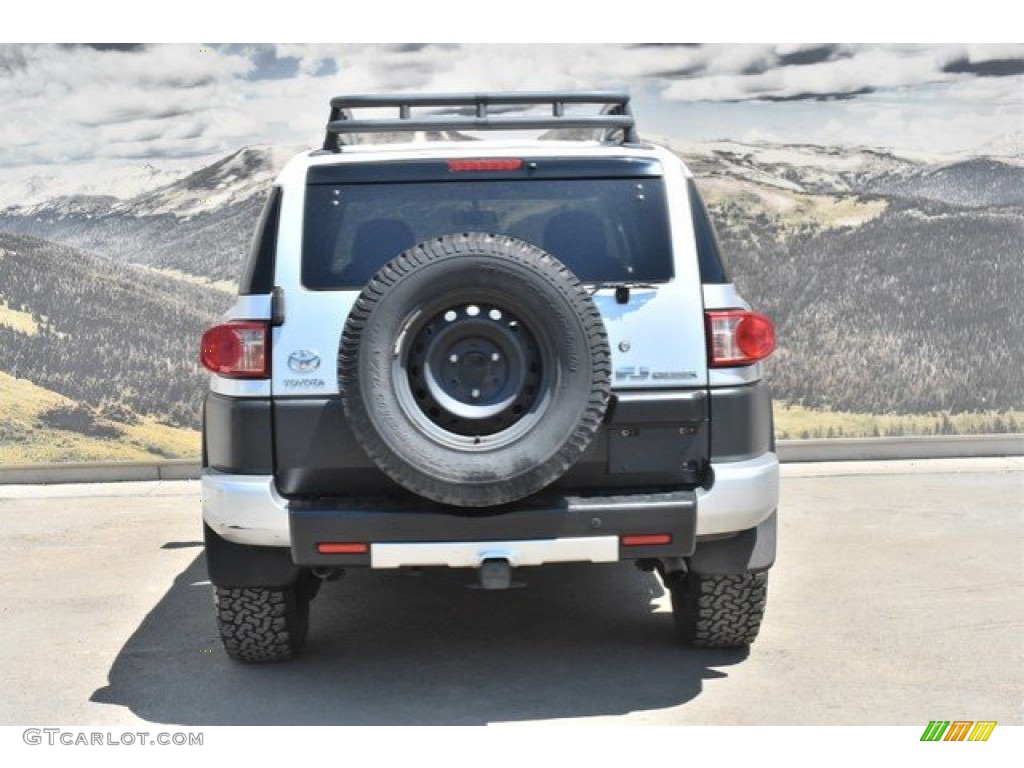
{"points": [[895, 282]]}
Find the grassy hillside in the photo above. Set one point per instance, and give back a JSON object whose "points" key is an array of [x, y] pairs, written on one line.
{"points": [[38, 426], [795, 422], [115, 338], [743, 208]]}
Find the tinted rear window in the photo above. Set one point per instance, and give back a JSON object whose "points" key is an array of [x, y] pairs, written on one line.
{"points": [[604, 230], [712, 269], [258, 276]]}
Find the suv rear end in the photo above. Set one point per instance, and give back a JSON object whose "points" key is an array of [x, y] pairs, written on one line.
{"points": [[490, 355]]}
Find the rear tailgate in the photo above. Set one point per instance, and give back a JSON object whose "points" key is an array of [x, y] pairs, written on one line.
{"points": [[649, 297]]}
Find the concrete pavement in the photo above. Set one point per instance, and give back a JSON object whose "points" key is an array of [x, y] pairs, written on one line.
{"points": [[898, 598]]}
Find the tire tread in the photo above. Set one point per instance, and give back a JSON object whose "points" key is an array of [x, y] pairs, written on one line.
{"points": [[720, 610], [259, 625]]}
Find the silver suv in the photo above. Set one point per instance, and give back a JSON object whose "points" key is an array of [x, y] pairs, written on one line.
{"points": [[486, 354]]}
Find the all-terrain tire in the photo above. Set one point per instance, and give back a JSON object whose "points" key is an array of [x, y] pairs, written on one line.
{"points": [[719, 611], [474, 369], [259, 625]]}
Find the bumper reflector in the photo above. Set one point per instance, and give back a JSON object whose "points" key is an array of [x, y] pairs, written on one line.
{"points": [[646, 539], [342, 548]]}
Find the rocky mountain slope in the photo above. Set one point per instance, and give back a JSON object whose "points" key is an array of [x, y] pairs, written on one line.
{"points": [[119, 339], [199, 224], [895, 280]]}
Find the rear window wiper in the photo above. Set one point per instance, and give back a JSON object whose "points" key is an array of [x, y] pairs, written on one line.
{"points": [[622, 289]]}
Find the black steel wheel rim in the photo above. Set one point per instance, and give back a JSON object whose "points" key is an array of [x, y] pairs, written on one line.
{"points": [[474, 374]]}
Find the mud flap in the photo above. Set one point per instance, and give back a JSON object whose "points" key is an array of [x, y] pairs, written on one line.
{"points": [[750, 551]]}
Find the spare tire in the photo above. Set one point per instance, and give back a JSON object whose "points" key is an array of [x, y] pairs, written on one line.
{"points": [[474, 369]]}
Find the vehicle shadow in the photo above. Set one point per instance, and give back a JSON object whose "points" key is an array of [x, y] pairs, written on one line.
{"points": [[400, 648]]}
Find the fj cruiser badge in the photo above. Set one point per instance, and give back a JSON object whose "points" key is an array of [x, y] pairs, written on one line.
{"points": [[303, 361], [632, 373]]}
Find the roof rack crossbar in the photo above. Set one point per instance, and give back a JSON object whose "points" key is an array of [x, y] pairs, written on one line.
{"points": [[478, 124], [615, 114]]}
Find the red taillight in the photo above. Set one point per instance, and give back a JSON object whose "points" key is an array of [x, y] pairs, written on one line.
{"points": [[238, 349], [738, 337], [486, 164], [342, 548]]}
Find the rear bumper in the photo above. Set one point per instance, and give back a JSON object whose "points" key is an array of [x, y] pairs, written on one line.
{"points": [[472, 554], [743, 495], [547, 530], [246, 509]]}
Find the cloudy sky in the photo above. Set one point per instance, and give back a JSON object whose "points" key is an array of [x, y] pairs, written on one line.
{"points": [[167, 104]]}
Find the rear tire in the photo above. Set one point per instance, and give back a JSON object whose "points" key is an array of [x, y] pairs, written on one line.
{"points": [[259, 624], [721, 610]]}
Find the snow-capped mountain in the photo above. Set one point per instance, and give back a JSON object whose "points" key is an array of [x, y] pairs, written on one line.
{"points": [[962, 180], [199, 223], [229, 181], [145, 190], [800, 167], [1009, 147], [28, 188]]}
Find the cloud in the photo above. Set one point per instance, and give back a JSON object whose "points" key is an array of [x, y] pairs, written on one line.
{"points": [[12, 59], [446, 67], [821, 95], [814, 54], [778, 73], [829, 71], [120, 47], [989, 68], [682, 72], [71, 103], [268, 61], [59, 100]]}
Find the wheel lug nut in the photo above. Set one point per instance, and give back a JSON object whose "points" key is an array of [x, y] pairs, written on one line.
{"points": [[453, 358], [495, 357], [475, 394]]}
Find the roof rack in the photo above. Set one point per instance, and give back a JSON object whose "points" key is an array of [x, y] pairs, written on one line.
{"points": [[471, 112]]}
